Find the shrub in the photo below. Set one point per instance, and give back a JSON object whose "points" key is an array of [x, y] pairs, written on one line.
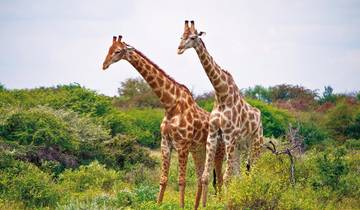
{"points": [[353, 131], [24, 182], [124, 198], [88, 177], [119, 123], [339, 119], [353, 144], [147, 121], [275, 121], [145, 193], [262, 188], [38, 128], [125, 152], [312, 134], [330, 169], [137, 93]]}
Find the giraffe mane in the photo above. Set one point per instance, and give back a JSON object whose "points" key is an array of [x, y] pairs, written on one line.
{"points": [[163, 72], [226, 72]]}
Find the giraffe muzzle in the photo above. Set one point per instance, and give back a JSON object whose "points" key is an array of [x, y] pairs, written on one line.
{"points": [[180, 51], [105, 66]]}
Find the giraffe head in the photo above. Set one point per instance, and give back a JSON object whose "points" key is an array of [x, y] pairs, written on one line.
{"points": [[117, 51], [190, 37]]}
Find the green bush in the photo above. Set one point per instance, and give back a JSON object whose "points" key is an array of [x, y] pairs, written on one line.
{"points": [[339, 119], [312, 134], [353, 131], [148, 122], [275, 121], [124, 198], [119, 123], [125, 152], [73, 96], [33, 127], [24, 182], [353, 144], [330, 169], [88, 177], [146, 193], [263, 187]]}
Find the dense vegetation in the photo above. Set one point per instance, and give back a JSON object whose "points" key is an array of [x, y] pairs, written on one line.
{"points": [[68, 147]]}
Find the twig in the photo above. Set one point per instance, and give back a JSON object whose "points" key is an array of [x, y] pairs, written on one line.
{"points": [[296, 141]]}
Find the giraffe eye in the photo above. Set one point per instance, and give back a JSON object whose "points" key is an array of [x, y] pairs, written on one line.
{"points": [[117, 52], [192, 38]]}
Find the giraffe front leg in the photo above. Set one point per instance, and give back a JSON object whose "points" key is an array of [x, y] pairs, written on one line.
{"points": [[232, 158], [210, 154], [165, 155], [183, 157], [199, 160], [219, 158]]}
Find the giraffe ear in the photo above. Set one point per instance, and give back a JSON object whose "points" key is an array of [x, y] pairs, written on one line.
{"points": [[201, 33]]}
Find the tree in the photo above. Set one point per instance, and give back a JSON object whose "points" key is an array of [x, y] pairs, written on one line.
{"points": [[2, 87], [136, 92], [258, 92], [293, 97], [132, 87], [339, 119], [327, 96]]}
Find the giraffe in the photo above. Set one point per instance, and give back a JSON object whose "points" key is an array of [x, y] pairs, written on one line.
{"points": [[184, 126], [232, 117]]}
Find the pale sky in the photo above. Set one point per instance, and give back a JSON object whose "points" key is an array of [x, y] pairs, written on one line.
{"points": [[306, 42]]}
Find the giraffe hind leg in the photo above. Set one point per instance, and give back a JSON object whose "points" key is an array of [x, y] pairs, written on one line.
{"points": [[254, 152], [199, 160]]}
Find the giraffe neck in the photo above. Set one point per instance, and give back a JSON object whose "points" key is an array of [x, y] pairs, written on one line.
{"points": [[218, 77], [163, 85]]}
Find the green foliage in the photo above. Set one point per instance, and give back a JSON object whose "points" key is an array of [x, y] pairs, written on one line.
{"points": [[286, 92], [258, 92], [73, 96], [324, 180], [312, 134], [137, 93], [340, 121], [148, 122], [262, 188], [275, 121], [328, 95], [331, 168], [24, 182], [353, 131], [145, 193], [126, 152], [88, 177], [88, 154], [353, 144], [38, 128], [206, 101]]}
